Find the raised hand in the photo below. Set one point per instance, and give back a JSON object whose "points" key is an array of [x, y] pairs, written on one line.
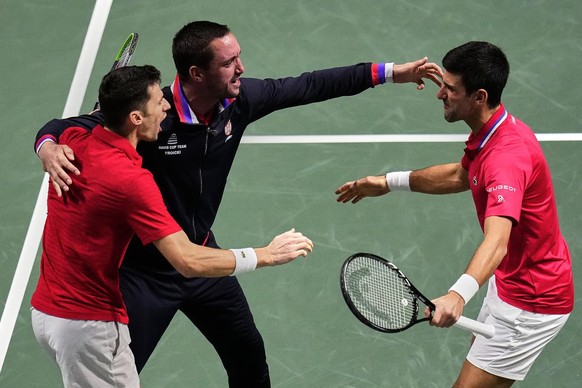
{"points": [[416, 71]]}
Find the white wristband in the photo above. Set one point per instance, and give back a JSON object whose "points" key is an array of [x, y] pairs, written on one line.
{"points": [[466, 286], [389, 72], [398, 181], [246, 260]]}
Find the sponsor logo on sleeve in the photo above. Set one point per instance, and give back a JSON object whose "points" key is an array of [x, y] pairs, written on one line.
{"points": [[501, 187]]}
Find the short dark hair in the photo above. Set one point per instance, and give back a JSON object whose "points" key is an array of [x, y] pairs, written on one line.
{"points": [[124, 90], [191, 45], [481, 65]]}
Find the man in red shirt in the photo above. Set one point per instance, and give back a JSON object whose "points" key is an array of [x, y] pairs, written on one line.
{"points": [[523, 256], [78, 313]]}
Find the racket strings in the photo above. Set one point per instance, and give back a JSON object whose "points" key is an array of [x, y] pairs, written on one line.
{"points": [[126, 52], [125, 57], [380, 294]]}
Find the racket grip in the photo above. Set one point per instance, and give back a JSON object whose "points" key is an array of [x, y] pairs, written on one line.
{"points": [[476, 327]]}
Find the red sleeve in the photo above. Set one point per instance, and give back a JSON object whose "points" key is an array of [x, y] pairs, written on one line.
{"points": [[506, 175], [147, 213]]}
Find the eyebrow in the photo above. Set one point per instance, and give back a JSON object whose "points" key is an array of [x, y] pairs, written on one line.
{"points": [[448, 85], [232, 58]]}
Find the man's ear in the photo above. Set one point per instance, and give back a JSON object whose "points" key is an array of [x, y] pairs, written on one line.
{"points": [[136, 117], [481, 96], [195, 73]]}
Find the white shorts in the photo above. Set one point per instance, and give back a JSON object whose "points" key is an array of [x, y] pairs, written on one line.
{"points": [[89, 353], [520, 337]]}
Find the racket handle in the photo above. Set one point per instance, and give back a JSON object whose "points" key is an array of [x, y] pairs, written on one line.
{"points": [[476, 327]]}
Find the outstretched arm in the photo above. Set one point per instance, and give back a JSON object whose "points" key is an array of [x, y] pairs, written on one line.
{"points": [[439, 179], [193, 260]]}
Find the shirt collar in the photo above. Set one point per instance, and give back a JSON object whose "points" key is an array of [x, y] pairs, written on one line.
{"points": [[185, 113], [476, 142], [116, 141]]}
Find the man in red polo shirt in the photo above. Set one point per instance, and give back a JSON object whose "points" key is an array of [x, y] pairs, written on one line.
{"points": [[523, 256], [78, 313]]}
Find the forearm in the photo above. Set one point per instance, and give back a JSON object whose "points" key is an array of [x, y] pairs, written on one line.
{"points": [[441, 179], [486, 259], [52, 130], [492, 250], [268, 95], [193, 260]]}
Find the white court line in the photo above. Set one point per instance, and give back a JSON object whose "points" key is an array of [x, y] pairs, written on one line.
{"points": [[34, 233], [413, 138]]}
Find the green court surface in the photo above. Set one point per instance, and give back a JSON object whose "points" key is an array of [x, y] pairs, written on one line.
{"points": [[311, 337]]}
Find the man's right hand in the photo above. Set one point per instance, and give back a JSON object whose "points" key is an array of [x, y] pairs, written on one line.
{"points": [[355, 191], [56, 160], [284, 248]]}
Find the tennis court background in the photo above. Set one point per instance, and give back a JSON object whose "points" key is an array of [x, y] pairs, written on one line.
{"points": [[312, 339]]}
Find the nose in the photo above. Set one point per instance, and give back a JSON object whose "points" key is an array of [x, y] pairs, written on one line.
{"points": [[441, 94], [166, 105], [239, 66]]}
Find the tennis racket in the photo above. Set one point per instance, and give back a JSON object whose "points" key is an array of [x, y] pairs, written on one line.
{"points": [[124, 55], [383, 298]]}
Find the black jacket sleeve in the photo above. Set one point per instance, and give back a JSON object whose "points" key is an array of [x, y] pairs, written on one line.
{"points": [[54, 128], [263, 97]]}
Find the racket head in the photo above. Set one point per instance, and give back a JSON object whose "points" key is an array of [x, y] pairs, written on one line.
{"points": [[378, 293], [123, 56], [126, 51]]}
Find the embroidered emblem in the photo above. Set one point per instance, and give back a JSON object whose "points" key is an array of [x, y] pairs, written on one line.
{"points": [[172, 147], [173, 139], [475, 180], [228, 131], [228, 128]]}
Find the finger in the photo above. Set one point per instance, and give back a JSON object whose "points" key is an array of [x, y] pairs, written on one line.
{"points": [[61, 179], [61, 176], [70, 167], [288, 233], [303, 243], [303, 249], [57, 188], [350, 198], [69, 153], [344, 197], [344, 187], [434, 78]]}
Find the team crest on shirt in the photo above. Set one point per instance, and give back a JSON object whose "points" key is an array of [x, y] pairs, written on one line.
{"points": [[172, 146], [500, 199], [228, 131], [475, 180], [173, 139]]}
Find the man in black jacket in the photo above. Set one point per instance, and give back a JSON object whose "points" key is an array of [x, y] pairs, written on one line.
{"points": [[211, 106]]}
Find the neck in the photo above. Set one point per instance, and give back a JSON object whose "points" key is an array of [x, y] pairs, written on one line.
{"points": [[200, 102], [481, 118], [131, 136]]}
